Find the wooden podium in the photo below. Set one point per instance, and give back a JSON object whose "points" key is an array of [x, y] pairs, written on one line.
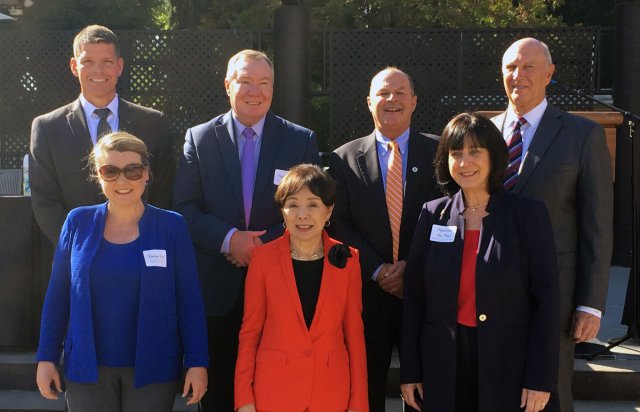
{"points": [[608, 120]]}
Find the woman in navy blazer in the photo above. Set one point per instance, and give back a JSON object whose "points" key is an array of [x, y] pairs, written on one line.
{"points": [[123, 297], [481, 322]]}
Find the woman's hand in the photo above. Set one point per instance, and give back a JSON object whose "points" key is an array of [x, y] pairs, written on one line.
{"points": [[408, 391], [46, 374], [534, 400], [247, 408], [196, 378]]}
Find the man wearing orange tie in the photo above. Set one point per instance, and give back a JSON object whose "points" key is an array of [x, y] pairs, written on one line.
{"points": [[383, 180]]}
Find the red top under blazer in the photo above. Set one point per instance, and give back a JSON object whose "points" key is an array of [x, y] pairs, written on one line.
{"points": [[283, 366]]}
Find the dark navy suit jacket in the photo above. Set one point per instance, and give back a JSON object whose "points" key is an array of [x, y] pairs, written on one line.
{"points": [[517, 303], [208, 193], [172, 330]]}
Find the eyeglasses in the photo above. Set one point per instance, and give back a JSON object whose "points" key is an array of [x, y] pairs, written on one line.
{"points": [[133, 171]]}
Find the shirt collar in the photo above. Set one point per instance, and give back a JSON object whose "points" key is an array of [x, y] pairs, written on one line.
{"points": [[239, 127], [89, 108], [533, 116], [402, 140]]}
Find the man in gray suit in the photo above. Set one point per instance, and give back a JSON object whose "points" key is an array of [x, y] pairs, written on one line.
{"points": [[562, 160], [62, 139], [226, 179]]}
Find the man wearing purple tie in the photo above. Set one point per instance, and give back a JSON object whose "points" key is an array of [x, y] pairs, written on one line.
{"points": [[224, 187], [563, 161]]}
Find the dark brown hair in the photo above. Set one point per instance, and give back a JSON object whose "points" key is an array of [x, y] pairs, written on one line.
{"points": [[481, 132], [95, 34]]}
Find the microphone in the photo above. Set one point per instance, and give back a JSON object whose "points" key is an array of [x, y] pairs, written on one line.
{"points": [[627, 114]]}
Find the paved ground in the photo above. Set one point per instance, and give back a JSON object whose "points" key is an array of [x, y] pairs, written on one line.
{"points": [[394, 405]]}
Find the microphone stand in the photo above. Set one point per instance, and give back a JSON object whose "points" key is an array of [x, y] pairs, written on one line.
{"points": [[632, 121]]}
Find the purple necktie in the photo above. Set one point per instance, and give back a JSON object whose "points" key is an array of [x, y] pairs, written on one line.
{"points": [[247, 164], [515, 155]]}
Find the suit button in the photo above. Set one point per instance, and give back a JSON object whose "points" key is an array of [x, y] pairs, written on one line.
{"points": [[308, 353], [482, 317]]}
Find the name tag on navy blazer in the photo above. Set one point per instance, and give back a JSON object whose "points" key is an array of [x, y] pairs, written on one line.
{"points": [[155, 257], [443, 234]]}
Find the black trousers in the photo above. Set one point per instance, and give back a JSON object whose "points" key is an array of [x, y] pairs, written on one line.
{"points": [[223, 351], [467, 369], [382, 318]]}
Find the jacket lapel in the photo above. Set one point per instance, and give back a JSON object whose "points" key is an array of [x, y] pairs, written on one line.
{"points": [[78, 125], [125, 120], [415, 173], [225, 135], [271, 138], [369, 167], [547, 131]]}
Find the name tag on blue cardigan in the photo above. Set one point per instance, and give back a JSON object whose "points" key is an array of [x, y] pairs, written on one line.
{"points": [[155, 257], [443, 234]]}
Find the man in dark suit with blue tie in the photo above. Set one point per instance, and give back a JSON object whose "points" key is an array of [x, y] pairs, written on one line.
{"points": [[224, 187], [561, 159], [62, 139], [376, 212]]}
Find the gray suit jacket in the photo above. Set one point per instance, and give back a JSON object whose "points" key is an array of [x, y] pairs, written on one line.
{"points": [[568, 167], [208, 193], [58, 172]]}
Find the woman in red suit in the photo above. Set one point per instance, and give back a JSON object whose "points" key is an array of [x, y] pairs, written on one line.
{"points": [[302, 342]]}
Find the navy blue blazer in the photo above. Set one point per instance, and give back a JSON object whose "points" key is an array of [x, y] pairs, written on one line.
{"points": [[171, 324], [208, 193], [517, 303]]}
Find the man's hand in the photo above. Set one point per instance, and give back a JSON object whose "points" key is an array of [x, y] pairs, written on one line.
{"points": [[241, 246], [247, 408], [585, 326], [390, 277]]}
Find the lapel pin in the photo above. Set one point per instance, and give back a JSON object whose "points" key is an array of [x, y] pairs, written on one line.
{"points": [[414, 169]]}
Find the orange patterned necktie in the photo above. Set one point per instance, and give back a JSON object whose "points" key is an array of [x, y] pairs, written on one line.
{"points": [[394, 195]]}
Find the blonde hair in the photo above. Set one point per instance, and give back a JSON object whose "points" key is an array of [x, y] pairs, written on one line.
{"points": [[120, 142], [246, 54]]}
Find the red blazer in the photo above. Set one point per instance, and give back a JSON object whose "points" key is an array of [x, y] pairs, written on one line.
{"points": [[283, 366]]}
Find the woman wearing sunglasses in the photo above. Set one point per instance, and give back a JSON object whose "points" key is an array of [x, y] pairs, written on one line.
{"points": [[124, 300]]}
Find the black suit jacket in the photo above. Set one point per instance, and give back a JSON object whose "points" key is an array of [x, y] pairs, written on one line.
{"points": [[58, 171], [517, 303], [568, 167], [208, 193], [360, 217]]}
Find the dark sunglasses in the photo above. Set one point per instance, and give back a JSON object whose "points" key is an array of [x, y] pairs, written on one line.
{"points": [[133, 171]]}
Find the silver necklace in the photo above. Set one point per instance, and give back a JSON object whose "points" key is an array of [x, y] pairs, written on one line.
{"points": [[315, 256]]}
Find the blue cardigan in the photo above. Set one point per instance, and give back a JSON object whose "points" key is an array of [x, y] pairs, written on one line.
{"points": [[171, 330]]}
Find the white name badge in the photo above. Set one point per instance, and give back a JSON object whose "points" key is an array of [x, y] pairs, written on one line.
{"points": [[155, 257], [278, 175], [443, 234]]}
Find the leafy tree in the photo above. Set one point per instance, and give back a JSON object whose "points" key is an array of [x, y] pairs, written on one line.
{"points": [[75, 14], [349, 14]]}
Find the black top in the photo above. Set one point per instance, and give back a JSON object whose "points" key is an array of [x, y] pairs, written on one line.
{"points": [[308, 274]]}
